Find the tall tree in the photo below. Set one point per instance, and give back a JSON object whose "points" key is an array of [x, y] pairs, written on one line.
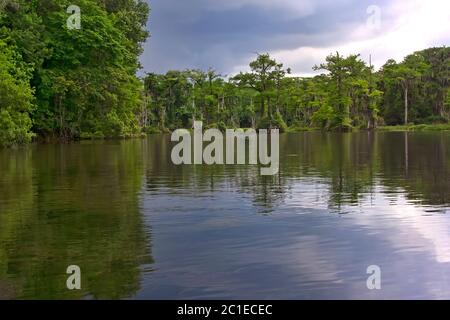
{"points": [[341, 73], [265, 74], [407, 74]]}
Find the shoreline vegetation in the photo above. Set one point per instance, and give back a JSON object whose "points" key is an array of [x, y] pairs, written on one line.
{"points": [[396, 128], [63, 84]]}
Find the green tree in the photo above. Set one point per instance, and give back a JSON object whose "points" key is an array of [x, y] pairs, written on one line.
{"points": [[265, 78], [84, 80], [342, 72], [16, 97], [406, 75]]}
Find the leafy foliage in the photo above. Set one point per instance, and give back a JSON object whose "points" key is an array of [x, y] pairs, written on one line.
{"points": [[83, 80], [16, 98], [349, 94]]}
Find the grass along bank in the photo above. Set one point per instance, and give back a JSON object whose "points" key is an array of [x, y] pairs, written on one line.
{"points": [[416, 127]]}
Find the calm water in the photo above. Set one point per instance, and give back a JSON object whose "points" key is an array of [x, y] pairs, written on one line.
{"points": [[140, 227]]}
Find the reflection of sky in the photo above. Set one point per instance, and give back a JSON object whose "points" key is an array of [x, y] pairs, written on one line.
{"points": [[420, 221], [222, 247], [434, 229]]}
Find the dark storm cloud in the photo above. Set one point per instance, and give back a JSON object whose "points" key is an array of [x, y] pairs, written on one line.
{"points": [[224, 35]]}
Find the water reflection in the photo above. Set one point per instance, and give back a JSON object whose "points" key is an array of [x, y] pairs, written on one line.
{"points": [[72, 204], [347, 167], [140, 227], [342, 202]]}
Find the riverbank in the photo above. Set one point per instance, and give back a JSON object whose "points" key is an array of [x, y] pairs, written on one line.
{"points": [[50, 139], [150, 131], [398, 128], [297, 129], [416, 127]]}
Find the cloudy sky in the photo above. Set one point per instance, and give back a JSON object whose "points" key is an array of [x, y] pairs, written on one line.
{"points": [[226, 34]]}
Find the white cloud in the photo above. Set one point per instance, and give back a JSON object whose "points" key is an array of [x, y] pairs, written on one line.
{"points": [[417, 25]]}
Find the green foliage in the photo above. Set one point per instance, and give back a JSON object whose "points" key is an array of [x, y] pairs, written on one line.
{"points": [[424, 79], [220, 125], [418, 127], [348, 95], [278, 122], [16, 98], [324, 117], [84, 80]]}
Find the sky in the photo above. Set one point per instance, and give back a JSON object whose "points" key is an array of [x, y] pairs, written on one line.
{"points": [[227, 34]]}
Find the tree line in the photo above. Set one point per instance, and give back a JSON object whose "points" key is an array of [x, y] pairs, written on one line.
{"points": [[65, 84], [348, 93]]}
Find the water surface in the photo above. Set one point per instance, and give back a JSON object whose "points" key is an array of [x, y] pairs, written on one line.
{"points": [[140, 227]]}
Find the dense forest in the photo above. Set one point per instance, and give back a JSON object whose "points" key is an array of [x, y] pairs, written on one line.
{"points": [[347, 94], [56, 81], [62, 83]]}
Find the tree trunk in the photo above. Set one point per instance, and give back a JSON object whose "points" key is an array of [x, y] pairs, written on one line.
{"points": [[406, 105]]}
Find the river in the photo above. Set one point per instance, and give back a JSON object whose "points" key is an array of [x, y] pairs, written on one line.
{"points": [[140, 227]]}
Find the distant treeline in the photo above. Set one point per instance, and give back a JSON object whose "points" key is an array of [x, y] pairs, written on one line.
{"points": [[63, 83], [348, 94]]}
